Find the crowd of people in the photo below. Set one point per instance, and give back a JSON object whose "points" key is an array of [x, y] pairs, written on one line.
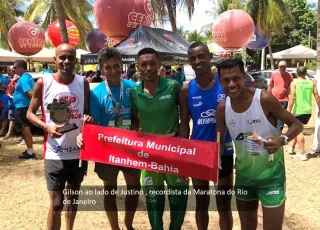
{"points": [[238, 114]]}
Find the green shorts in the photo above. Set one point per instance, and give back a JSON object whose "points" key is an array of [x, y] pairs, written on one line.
{"points": [[270, 197]]}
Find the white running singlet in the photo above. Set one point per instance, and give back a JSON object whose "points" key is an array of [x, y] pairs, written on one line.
{"points": [[65, 147], [254, 169]]}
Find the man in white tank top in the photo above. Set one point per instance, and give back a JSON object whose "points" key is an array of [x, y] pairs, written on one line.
{"points": [[250, 115], [63, 97]]}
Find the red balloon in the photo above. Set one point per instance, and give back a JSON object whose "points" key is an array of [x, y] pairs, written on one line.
{"points": [[54, 34], [233, 29], [26, 38], [116, 19]]}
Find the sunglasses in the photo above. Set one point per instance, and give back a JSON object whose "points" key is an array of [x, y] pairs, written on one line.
{"points": [[14, 67]]}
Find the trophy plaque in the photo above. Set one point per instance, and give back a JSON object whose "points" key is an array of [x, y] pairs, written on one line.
{"points": [[60, 114]]}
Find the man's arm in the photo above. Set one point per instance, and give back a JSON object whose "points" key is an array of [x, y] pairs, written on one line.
{"points": [[221, 124], [271, 105], [35, 103], [27, 85], [271, 84], [30, 93], [135, 121], [316, 94], [292, 96], [86, 96], [290, 83], [184, 128]]}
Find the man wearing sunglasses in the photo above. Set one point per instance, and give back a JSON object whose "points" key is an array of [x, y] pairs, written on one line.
{"points": [[21, 99]]}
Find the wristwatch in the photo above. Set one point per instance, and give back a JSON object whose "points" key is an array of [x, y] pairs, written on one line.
{"points": [[286, 139]]}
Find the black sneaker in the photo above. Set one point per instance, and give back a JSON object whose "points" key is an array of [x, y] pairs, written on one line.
{"points": [[25, 155]]}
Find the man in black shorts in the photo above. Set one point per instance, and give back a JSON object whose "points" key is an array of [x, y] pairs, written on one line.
{"points": [[21, 99], [64, 99], [199, 99], [300, 104]]}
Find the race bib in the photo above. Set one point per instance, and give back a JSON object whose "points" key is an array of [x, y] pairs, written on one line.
{"points": [[255, 145], [126, 124]]}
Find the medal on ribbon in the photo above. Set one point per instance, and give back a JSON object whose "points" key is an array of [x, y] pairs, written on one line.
{"points": [[116, 109]]}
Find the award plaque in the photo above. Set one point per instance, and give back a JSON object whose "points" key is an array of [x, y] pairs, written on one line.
{"points": [[60, 114]]}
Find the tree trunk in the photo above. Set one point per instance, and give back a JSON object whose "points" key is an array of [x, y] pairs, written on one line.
{"points": [[60, 13], [318, 40], [270, 51], [171, 15]]}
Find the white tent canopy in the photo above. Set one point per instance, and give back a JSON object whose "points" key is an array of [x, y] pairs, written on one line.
{"points": [[46, 55], [7, 56], [296, 52], [80, 52]]}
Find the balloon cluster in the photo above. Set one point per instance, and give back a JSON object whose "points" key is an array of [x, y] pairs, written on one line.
{"points": [[115, 19], [54, 34], [233, 29], [26, 38]]}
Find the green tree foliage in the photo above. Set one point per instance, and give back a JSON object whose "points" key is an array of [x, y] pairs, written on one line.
{"points": [[10, 10], [195, 36], [269, 17], [182, 32], [167, 10], [220, 6], [77, 11], [305, 20]]}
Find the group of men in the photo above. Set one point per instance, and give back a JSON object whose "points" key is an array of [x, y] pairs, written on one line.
{"points": [[296, 97], [121, 103]]}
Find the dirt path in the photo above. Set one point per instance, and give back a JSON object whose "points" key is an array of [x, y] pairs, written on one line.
{"points": [[24, 199]]}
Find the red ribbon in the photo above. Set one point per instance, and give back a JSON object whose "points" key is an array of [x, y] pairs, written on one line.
{"points": [[183, 157]]}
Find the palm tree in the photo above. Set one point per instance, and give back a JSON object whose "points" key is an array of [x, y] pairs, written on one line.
{"points": [[9, 12], [222, 6], [60, 14], [318, 40], [269, 17], [195, 36], [77, 11], [182, 32], [208, 35], [168, 9]]}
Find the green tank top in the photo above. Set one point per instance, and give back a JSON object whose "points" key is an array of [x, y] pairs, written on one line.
{"points": [[303, 100]]}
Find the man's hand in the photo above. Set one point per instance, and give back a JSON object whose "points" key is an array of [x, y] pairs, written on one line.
{"points": [[52, 131], [88, 120], [272, 144], [79, 140]]}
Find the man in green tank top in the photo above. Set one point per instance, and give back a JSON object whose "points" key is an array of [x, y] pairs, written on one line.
{"points": [[156, 102], [300, 104], [258, 177]]}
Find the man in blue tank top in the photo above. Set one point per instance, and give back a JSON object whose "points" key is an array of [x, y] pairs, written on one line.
{"points": [[200, 99]]}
